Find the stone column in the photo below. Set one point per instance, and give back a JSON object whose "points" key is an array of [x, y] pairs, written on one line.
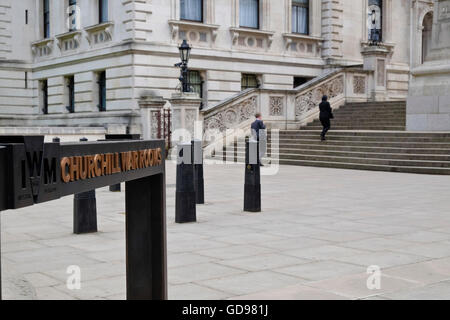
{"points": [[428, 106], [376, 60], [185, 115], [151, 111]]}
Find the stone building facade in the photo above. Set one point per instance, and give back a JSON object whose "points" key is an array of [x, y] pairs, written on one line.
{"points": [[89, 62]]}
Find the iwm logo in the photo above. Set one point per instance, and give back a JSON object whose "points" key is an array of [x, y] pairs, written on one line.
{"points": [[36, 166], [33, 171]]}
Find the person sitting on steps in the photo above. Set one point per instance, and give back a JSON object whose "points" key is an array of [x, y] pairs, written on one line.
{"points": [[326, 113]]}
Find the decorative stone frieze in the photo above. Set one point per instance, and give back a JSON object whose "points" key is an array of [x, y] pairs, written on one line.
{"points": [[231, 116], [309, 100]]}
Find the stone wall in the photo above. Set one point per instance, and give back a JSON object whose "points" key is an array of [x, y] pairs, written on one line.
{"points": [[428, 106]]}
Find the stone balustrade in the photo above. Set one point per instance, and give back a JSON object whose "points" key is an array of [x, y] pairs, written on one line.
{"points": [[283, 109]]}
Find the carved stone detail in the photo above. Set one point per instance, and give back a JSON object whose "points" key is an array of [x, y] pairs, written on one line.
{"points": [[359, 85], [276, 106], [311, 99], [155, 120], [233, 116]]}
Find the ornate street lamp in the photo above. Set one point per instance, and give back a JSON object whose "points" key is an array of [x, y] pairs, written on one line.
{"points": [[185, 52]]}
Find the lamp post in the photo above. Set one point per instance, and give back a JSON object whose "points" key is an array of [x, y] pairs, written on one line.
{"points": [[185, 52]]}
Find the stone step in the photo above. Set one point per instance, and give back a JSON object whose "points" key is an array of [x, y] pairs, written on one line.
{"points": [[367, 132], [359, 166], [356, 127], [436, 145], [347, 123], [291, 138], [366, 119], [351, 159], [323, 146], [377, 104], [379, 154], [361, 111]]}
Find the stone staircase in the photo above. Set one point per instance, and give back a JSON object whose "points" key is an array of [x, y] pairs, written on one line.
{"points": [[364, 136], [367, 116]]}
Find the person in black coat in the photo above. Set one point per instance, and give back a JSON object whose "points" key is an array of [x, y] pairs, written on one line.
{"points": [[326, 113]]}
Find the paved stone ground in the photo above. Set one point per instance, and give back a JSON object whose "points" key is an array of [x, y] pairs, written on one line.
{"points": [[319, 231]]}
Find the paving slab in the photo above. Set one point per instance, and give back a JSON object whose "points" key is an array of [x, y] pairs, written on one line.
{"points": [[298, 247]]}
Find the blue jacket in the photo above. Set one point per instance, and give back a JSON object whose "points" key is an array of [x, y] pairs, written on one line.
{"points": [[258, 125]]}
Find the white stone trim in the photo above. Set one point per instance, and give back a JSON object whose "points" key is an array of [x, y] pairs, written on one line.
{"points": [[176, 24], [48, 43], [106, 27], [237, 32]]}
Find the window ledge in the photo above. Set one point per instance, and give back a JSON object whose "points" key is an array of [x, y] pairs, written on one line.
{"points": [[46, 44], [382, 46], [43, 42], [69, 35], [254, 31], [302, 44], [72, 35], [301, 37], [236, 32], [176, 24], [99, 27], [106, 28]]}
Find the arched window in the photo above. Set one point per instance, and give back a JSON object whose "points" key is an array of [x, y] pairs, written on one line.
{"points": [[427, 32], [375, 20]]}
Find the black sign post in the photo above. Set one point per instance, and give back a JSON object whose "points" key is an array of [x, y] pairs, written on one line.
{"points": [[32, 172], [85, 210]]}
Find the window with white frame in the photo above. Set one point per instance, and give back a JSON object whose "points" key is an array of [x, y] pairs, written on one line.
{"points": [[191, 10], [249, 13], [300, 16]]}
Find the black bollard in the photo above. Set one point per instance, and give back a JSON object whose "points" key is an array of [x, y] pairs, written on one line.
{"points": [[185, 210], [197, 160], [84, 211], [252, 188]]}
